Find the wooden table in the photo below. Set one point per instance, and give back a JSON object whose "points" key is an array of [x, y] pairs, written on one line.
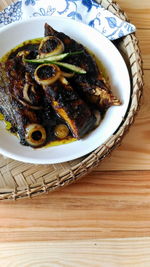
{"points": [[102, 220]]}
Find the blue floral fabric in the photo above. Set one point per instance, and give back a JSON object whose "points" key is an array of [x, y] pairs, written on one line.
{"points": [[30, 2], [85, 11], [11, 13]]}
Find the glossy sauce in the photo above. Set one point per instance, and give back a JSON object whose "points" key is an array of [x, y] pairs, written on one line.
{"points": [[8, 125], [28, 44]]}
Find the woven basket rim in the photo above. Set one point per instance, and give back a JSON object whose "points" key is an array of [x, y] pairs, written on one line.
{"points": [[87, 163]]}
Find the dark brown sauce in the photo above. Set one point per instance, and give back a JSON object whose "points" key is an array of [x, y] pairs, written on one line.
{"points": [[50, 119]]}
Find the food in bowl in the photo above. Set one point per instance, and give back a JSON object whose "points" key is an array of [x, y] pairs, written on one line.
{"points": [[51, 89]]}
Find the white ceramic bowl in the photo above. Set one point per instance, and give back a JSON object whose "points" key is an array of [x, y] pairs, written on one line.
{"points": [[105, 51]]}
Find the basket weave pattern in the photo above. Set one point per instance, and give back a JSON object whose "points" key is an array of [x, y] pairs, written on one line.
{"points": [[18, 180]]}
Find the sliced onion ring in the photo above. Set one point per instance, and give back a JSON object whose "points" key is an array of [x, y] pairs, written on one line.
{"points": [[56, 46], [23, 53], [35, 129], [24, 103], [63, 80], [25, 92], [53, 75], [67, 74]]}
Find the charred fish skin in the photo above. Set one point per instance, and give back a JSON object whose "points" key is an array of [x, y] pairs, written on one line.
{"points": [[92, 86], [8, 107], [32, 48], [23, 117], [5, 97], [83, 60], [15, 109], [71, 108], [23, 86], [38, 98]]}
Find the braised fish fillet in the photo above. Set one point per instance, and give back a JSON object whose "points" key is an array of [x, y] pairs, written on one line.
{"points": [[51, 88], [70, 107], [91, 85], [11, 104]]}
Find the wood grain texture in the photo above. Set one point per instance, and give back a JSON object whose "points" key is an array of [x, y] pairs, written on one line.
{"points": [[102, 204], [137, 11], [96, 253], [144, 41], [5, 3]]}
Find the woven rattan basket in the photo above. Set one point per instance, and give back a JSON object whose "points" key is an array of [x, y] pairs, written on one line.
{"points": [[19, 180]]}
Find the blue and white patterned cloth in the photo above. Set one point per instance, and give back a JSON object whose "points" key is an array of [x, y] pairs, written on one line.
{"points": [[86, 11]]}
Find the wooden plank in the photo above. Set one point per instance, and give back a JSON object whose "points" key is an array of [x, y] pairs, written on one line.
{"points": [[5, 3], [101, 205], [138, 12], [97, 253], [144, 41]]}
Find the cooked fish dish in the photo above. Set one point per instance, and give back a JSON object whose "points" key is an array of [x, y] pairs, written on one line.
{"points": [[51, 89]]}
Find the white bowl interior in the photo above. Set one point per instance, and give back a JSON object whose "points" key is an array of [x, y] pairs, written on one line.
{"points": [[113, 62]]}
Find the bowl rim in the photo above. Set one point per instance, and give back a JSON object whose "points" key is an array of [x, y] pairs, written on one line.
{"points": [[78, 153]]}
